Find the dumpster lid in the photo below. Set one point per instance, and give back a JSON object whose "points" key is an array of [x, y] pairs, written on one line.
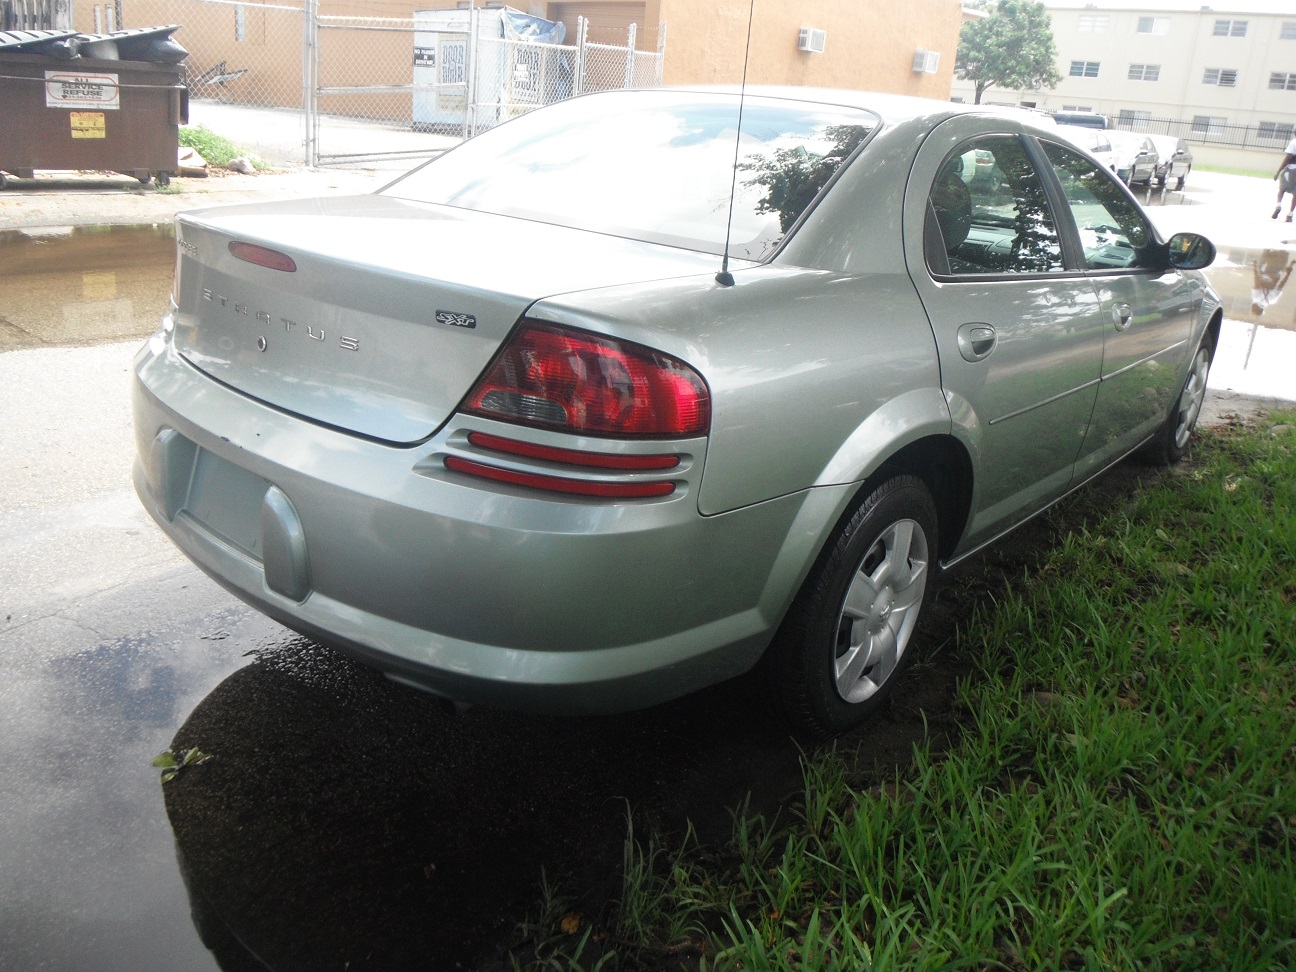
{"points": [[138, 44], [153, 44], [30, 40]]}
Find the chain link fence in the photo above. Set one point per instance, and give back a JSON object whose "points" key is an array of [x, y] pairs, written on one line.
{"points": [[368, 87]]}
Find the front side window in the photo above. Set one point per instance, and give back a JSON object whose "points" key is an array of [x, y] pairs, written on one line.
{"points": [[1084, 69], [1114, 233], [652, 165], [988, 213]]}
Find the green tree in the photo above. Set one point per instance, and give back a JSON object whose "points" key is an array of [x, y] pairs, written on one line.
{"points": [[1012, 48]]}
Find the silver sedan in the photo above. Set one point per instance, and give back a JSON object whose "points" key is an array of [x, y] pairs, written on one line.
{"points": [[615, 400]]}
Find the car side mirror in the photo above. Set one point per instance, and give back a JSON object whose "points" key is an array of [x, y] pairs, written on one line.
{"points": [[1190, 251]]}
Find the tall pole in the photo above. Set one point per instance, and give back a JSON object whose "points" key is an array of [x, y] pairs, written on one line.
{"points": [[310, 12]]}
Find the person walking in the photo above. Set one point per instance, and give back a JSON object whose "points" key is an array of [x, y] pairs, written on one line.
{"points": [[1286, 176]]}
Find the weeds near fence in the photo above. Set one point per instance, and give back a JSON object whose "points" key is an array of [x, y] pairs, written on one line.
{"points": [[1122, 797], [216, 149]]}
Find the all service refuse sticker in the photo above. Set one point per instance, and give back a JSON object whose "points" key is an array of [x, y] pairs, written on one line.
{"points": [[66, 89]]}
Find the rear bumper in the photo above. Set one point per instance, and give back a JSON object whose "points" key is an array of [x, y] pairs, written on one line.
{"points": [[477, 591]]}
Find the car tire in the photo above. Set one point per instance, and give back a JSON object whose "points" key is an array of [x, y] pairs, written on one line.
{"points": [[850, 627], [1171, 441]]}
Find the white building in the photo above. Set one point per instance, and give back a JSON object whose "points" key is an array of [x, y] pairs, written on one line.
{"points": [[1221, 75]]}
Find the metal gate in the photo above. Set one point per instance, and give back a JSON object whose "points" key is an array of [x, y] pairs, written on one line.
{"points": [[389, 88]]}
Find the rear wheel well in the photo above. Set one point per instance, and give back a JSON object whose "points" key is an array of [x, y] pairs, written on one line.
{"points": [[943, 464]]}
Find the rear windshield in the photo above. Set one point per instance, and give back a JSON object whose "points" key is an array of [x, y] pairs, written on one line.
{"points": [[655, 166]]}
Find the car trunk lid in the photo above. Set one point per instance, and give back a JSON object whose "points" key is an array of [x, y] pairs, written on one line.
{"points": [[376, 315]]}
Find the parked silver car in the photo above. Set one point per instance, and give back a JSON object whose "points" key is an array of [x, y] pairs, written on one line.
{"points": [[1095, 141], [514, 429], [1174, 160], [1137, 158]]}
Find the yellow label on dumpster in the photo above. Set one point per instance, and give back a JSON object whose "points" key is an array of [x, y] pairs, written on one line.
{"points": [[88, 124]]}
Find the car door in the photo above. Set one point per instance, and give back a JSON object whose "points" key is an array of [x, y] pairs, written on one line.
{"points": [[1019, 332], [1148, 309]]}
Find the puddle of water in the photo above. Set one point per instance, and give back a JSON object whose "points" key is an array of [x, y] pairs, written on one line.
{"points": [[1256, 285], [83, 285], [1255, 360], [1257, 350], [88, 876]]}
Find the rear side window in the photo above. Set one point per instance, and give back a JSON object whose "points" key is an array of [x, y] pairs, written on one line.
{"points": [[988, 213], [1113, 231]]}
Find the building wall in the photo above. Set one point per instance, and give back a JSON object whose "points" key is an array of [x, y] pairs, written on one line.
{"points": [[609, 21], [869, 46], [266, 44]]}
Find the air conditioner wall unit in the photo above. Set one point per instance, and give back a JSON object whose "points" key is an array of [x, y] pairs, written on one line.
{"points": [[926, 62], [812, 39]]}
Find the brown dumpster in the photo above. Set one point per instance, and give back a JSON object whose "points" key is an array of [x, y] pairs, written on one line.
{"points": [[86, 113]]}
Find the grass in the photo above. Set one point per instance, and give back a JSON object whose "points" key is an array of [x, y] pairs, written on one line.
{"points": [[216, 149], [1122, 796]]}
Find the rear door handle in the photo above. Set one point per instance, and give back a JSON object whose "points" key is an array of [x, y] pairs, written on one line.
{"points": [[976, 340]]}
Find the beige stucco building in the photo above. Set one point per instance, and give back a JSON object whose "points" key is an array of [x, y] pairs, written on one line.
{"points": [[1222, 75]]}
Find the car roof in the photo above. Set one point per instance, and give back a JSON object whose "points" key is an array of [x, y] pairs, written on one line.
{"points": [[891, 108]]}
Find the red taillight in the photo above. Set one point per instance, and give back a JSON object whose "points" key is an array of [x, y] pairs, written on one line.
{"points": [[263, 256], [555, 378]]}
